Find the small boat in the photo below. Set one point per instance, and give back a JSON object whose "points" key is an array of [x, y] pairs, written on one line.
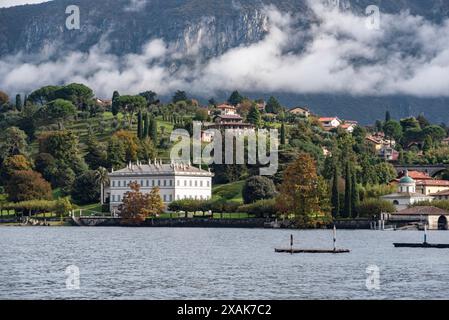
{"points": [[292, 250], [425, 244]]}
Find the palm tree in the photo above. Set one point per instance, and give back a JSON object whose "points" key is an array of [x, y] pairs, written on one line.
{"points": [[102, 176]]}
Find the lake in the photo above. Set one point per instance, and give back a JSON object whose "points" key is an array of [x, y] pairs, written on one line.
{"points": [[152, 263]]}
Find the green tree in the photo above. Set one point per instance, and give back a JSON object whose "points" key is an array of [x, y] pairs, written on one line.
{"points": [[387, 116], [179, 96], [146, 126], [335, 198], [258, 188], [139, 125], [355, 198], [235, 98], [115, 103], [19, 102], [348, 192], [283, 134], [150, 96], [393, 129], [86, 188], [79, 94], [273, 106], [58, 110], [43, 95], [116, 152], [13, 141], [153, 130], [102, 177], [254, 117], [96, 153]]}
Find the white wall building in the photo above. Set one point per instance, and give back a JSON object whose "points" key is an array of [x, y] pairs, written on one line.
{"points": [[176, 182]]}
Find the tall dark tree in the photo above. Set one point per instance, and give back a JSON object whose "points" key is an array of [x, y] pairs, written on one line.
{"points": [[146, 125], [235, 98], [18, 102], [387, 116], [283, 135], [335, 198], [254, 117], [150, 96], [273, 106], [153, 130], [115, 104], [179, 96], [348, 192], [139, 125], [354, 195]]}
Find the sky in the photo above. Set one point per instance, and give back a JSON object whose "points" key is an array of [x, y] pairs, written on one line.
{"points": [[11, 3], [340, 56]]}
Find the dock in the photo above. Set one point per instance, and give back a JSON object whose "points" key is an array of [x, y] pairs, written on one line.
{"points": [[291, 251]]}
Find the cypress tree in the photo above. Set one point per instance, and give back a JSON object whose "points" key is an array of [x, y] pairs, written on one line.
{"points": [[283, 140], [348, 192], [335, 194], [354, 195], [254, 117], [387, 116], [146, 126], [139, 125], [18, 102], [115, 105], [153, 130]]}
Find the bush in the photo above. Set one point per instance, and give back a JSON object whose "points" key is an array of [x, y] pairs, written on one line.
{"points": [[261, 208], [258, 188], [373, 207], [28, 185]]}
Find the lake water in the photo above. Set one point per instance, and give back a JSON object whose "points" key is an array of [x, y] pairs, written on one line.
{"points": [[147, 263]]}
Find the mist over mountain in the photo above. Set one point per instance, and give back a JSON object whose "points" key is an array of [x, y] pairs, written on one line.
{"points": [[293, 49]]}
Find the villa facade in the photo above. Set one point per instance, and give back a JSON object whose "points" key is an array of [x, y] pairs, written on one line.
{"points": [[176, 182]]}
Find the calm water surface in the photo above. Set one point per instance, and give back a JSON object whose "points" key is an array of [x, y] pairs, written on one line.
{"points": [[146, 263]]}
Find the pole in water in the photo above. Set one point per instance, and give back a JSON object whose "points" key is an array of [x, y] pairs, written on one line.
{"points": [[425, 234], [291, 243], [335, 238]]}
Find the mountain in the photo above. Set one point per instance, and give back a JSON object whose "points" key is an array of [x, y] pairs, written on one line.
{"points": [[207, 29]]}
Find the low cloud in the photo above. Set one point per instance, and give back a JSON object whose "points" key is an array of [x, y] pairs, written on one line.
{"points": [[339, 54]]}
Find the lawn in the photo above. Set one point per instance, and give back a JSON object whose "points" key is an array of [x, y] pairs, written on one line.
{"points": [[230, 191]]}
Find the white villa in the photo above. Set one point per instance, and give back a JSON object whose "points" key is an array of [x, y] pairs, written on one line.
{"points": [[406, 194], [176, 181]]}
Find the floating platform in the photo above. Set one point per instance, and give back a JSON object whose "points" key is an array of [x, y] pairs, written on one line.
{"points": [[421, 245], [291, 251]]}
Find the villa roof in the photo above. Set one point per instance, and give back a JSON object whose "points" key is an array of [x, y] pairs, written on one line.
{"points": [[441, 193], [417, 175], [424, 210], [433, 183], [160, 169], [230, 116]]}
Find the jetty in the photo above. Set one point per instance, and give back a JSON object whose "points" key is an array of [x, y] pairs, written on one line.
{"points": [[293, 250], [425, 244]]}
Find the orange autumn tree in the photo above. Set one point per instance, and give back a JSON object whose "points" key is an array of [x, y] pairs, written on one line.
{"points": [[138, 206], [303, 193]]}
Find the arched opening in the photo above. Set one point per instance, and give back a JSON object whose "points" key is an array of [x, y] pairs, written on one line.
{"points": [[396, 202], [442, 223]]}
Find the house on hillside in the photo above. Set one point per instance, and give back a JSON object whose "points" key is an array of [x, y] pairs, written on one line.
{"points": [[300, 111], [330, 123]]}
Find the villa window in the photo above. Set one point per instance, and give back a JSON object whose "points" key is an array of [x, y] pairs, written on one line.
{"points": [[153, 183], [190, 183], [159, 183], [165, 198], [148, 183], [201, 183], [165, 183], [196, 183], [113, 183], [170, 198], [208, 183], [177, 183], [185, 183]]}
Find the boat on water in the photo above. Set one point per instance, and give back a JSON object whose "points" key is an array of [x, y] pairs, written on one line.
{"points": [[425, 244]]}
